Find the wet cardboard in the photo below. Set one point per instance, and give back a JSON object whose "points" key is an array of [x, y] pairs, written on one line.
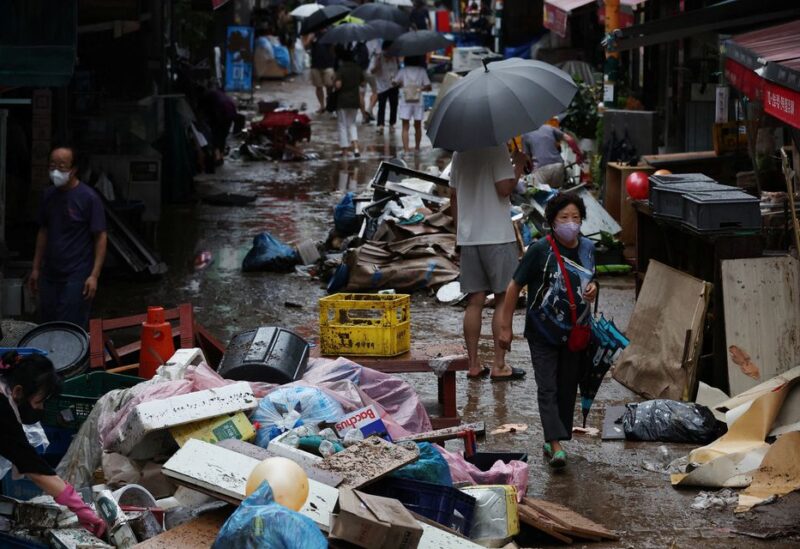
{"points": [[374, 522]]}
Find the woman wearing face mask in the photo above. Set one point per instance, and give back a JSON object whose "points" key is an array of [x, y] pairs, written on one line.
{"points": [[549, 320], [26, 383]]}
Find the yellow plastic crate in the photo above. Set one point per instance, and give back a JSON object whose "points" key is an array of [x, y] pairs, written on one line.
{"points": [[365, 324]]}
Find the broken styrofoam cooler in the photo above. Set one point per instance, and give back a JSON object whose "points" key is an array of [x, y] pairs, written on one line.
{"points": [[666, 201], [729, 211], [495, 519], [146, 430], [471, 57]]}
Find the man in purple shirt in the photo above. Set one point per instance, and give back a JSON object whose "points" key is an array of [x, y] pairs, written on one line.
{"points": [[70, 245]]}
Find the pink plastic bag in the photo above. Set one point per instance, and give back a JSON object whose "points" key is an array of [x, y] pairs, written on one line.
{"points": [[514, 473]]}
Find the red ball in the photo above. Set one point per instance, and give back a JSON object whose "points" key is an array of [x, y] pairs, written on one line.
{"points": [[638, 185]]}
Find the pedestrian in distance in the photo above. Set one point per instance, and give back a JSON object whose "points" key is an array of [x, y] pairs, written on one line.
{"points": [[482, 181], [384, 68], [543, 148], [322, 72], [348, 82], [559, 273], [70, 244], [412, 80], [26, 383]]}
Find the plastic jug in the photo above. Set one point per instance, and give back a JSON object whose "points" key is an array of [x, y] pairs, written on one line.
{"points": [[157, 343]]}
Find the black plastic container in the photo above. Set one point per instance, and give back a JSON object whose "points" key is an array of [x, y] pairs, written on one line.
{"points": [[268, 354], [673, 178], [66, 344], [721, 212], [485, 460], [666, 201]]}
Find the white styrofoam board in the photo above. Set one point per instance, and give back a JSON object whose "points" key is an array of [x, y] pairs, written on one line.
{"points": [[219, 470], [158, 415]]}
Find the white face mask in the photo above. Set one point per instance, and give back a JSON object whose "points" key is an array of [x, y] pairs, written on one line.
{"points": [[59, 178]]}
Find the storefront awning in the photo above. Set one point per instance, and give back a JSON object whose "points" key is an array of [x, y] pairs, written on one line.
{"points": [[765, 66], [556, 12], [728, 15]]}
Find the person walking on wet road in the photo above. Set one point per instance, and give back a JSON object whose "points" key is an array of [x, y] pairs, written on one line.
{"points": [[384, 67], [412, 80], [322, 72], [559, 273], [482, 181], [70, 244], [348, 83]]}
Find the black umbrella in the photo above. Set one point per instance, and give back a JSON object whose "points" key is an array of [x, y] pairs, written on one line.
{"points": [[415, 43], [346, 3], [382, 12], [386, 30], [347, 33], [322, 18]]}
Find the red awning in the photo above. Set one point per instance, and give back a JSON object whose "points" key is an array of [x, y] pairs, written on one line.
{"points": [[765, 65]]}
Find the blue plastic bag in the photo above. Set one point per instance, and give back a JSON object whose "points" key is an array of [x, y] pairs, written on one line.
{"points": [[281, 54], [430, 467], [269, 254], [290, 407], [260, 522], [344, 216]]}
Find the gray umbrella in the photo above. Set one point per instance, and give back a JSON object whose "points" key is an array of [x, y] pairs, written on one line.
{"points": [[504, 99], [415, 43], [385, 12], [347, 33], [322, 18], [386, 30]]}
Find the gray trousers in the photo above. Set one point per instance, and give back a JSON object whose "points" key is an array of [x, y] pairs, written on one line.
{"points": [[557, 371]]}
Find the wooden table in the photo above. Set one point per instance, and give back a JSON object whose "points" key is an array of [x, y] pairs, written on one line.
{"points": [[418, 360], [618, 204], [701, 256]]}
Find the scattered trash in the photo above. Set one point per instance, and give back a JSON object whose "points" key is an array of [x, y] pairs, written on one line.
{"points": [[289, 407], [670, 421], [588, 431], [270, 254], [716, 500], [496, 516], [374, 522], [743, 361], [510, 428]]}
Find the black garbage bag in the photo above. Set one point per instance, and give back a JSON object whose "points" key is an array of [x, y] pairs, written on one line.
{"points": [[671, 421], [270, 254]]}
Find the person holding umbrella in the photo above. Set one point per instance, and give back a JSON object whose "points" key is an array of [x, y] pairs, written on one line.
{"points": [[559, 273], [413, 80], [349, 77]]}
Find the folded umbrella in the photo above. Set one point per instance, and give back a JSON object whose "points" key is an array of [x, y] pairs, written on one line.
{"points": [[418, 42], [607, 344], [386, 30], [382, 12], [301, 12], [503, 99], [323, 18], [347, 33]]}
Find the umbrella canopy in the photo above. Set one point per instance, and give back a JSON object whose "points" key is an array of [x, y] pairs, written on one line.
{"points": [[348, 32], [491, 105], [386, 30], [418, 42], [322, 18], [301, 12], [383, 12], [346, 3], [607, 343], [403, 3]]}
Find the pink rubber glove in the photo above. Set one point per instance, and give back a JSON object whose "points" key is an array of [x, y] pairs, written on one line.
{"points": [[88, 518]]}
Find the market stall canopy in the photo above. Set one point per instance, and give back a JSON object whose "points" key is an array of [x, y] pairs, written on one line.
{"points": [[36, 51], [765, 66], [725, 16], [556, 12]]}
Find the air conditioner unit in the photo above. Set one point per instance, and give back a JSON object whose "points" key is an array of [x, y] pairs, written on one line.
{"points": [[136, 177]]}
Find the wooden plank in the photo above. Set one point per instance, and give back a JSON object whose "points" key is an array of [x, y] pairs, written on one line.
{"points": [[441, 435], [367, 461], [762, 316], [256, 452], [575, 522], [533, 518], [200, 532]]}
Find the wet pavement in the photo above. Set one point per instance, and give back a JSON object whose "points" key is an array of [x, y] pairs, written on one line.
{"points": [[605, 480]]}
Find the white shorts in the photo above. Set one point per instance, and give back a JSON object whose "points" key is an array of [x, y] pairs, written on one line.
{"points": [[411, 111]]}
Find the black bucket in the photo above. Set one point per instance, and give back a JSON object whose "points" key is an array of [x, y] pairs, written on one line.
{"points": [[268, 354], [66, 344]]}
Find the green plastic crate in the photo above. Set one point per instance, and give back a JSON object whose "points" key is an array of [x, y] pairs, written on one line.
{"points": [[79, 395]]}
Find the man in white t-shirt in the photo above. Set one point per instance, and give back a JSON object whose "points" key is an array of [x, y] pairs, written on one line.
{"points": [[482, 181]]}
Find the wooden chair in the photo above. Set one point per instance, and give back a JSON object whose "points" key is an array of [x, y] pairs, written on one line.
{"points": [[100, 343]]}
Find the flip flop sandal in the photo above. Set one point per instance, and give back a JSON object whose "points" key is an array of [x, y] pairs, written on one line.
{"points": [[548, 450], [483, 373], [516, 373], [559, 460]]}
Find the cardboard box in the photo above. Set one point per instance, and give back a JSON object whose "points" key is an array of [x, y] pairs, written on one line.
{"points": [[367, 420], [374, 522], [215, 429]]}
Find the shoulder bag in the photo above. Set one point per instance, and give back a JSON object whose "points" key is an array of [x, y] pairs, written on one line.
{"points": [[580, 334]]}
